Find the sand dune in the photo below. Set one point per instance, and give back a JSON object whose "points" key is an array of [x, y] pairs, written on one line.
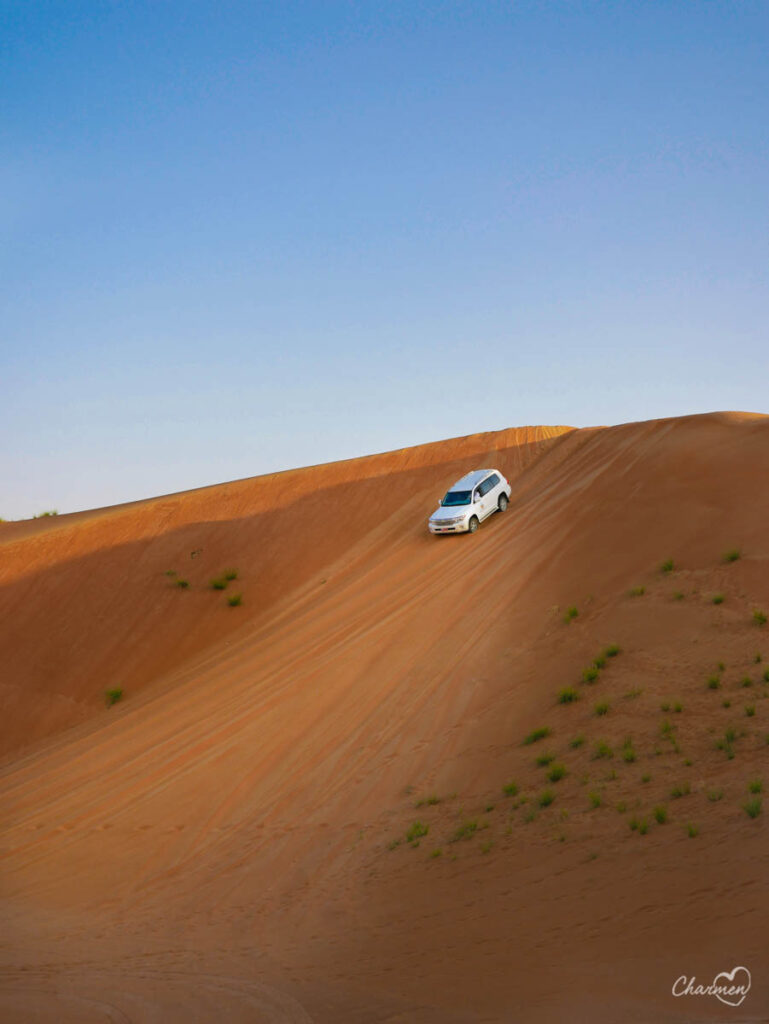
{"points": [[85, 603], [230, 840]]}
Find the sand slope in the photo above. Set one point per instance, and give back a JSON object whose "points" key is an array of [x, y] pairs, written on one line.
{"points": [[229, 842], [85, 604]]}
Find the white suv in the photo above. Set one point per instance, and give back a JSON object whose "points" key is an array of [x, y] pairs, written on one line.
{"points": [[471, 500]]}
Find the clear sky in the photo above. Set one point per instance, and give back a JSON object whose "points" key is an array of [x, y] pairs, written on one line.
{"points": [[240, 237]]}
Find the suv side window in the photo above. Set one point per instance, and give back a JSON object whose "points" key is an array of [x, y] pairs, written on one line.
{"points": [[486, 485]]}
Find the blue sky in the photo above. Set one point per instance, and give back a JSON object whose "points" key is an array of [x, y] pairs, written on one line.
{"points": [[241, 237]]}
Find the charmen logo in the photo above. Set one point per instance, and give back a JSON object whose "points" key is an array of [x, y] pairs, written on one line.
{"points": [[730, 987]]}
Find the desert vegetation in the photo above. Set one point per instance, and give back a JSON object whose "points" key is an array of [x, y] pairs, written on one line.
{"points": [[675, 738], [537, 734]]}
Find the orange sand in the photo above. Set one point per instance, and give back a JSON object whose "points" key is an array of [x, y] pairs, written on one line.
{"points": [[217, 845]]}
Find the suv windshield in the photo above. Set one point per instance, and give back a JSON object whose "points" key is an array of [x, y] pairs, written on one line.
{"points": [[456, 498]]}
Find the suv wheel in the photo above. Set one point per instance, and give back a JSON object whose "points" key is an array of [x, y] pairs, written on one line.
{"points": [[502, 503], [472, 526]]}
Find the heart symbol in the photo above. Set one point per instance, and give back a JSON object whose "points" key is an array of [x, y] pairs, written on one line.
{"points": [[728, 977]]}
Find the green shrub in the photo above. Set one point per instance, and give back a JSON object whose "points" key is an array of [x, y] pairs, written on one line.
{"points": [[571, 613], [759, 617], [732, 555], [537, 734], [750, 711], [218, 584], [746, 681], [726, 703], [578, 741], [113, 696], [568, 695], [589, 675], [230, 574], [416, 831], [234, 600], [546, 797], [637, 591], [170, 572], [714, 795], [667, 566], [428, 801], [182, 584], [678, 595], [646, 778], [511, 789], [594, 798], [755, 786], [665, 706], [556, 773], [465, 831], [628, 754], [678, 707], [683, 789], [612, 651], [692, 830], [660, 814], [601, 709], [544, 759], [718, 599], [602, 750], [714, 683], [436, 852], [753, 807]]}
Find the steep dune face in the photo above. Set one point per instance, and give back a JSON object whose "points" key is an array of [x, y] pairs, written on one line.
{"points": [[241, 839], [87, 602]]}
